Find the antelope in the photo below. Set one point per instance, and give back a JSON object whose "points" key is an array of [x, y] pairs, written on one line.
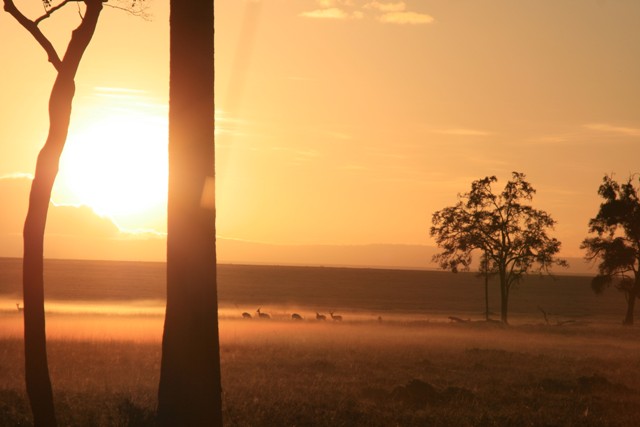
{"points": [[296, 316], [320, 316], [337, 318], [263, 315], [246, 315], [19, 308]]}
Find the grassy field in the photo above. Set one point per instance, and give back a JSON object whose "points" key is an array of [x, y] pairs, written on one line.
{"points": [[139, 287], [284, 373], [411, 368]]}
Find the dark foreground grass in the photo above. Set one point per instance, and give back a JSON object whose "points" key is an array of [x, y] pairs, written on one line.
{"points": [[309, 374]]}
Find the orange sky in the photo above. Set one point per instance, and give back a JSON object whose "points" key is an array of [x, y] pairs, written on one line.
{"points": [[340, 122]]}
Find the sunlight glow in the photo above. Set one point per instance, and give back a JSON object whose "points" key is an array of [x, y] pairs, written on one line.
{"points": [[117, 165]]}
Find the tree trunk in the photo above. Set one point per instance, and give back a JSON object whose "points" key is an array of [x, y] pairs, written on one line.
{"points": [[631, 304], [486, 296], [504, 297], [190, 387], [504, 306], [38, 383], [486, 287]]}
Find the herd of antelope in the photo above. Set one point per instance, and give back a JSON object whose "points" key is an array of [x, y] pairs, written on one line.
{"points": [[294, 316]]}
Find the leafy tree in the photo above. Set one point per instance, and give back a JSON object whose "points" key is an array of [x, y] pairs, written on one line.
{"points": [[190, 387], [616, 243], [510, 233]]}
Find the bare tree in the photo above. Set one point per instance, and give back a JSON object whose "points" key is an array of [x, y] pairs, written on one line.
{"points": [[190, 389], [36, 368]]}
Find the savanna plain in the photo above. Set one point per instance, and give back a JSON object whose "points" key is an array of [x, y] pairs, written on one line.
{"points": [[395, 359]]}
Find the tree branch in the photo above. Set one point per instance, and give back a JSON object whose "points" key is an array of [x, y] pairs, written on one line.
{"points": [[49, 12], [32, 27], [141, 13]]}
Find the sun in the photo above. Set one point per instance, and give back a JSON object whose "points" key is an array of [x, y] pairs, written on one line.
{"points": [[117, 165]]}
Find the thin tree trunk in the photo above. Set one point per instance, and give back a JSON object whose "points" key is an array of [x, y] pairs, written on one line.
{"points": [[190, 388], [486, 286], [631, 305], [504, 297], [37, 378], [486, 295], [504, 306]]}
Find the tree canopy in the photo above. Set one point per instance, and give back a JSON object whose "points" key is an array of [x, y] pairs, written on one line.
{"points": [[513, 235], [616, 244]]}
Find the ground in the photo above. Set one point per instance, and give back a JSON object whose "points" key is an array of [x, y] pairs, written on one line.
{"points": [[358, 372]]}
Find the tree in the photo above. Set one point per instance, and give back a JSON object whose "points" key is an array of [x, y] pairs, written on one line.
{"points": [[509, 232], [617, 241], [190, 386], [38, 382]]}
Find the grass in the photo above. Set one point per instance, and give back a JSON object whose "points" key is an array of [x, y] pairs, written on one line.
{"points": [[104, 324], [307, 373]]}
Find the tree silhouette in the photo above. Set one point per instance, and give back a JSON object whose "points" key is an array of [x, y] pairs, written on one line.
{"points": [[38, 382], [485, 272], [617, 241], [510, 233], [190, 389]]}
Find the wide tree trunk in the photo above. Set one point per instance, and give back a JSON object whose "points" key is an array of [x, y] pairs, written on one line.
{"points": [[190, 387], [38, 383]]}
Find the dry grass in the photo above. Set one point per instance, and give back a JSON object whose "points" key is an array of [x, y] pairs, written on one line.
{"points": [[104, 323], [284, 373]]}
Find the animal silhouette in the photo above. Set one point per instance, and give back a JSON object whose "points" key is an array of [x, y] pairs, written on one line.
{"points": [[19, 308], [320, 316], [336, 318], [246, 315], [263, 315], [296, 316]]}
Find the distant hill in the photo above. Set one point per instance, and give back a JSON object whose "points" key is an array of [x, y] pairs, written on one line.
{"points": [[376, 256]]}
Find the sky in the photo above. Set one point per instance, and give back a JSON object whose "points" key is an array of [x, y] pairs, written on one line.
{"points": [[338, 122]]}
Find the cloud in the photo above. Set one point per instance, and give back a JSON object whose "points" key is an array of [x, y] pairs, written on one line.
{"points": [[103, 90], [298, 155], [549, 139], [386, 12], [17, 175], [463, 132], [334, 3], [386, 7], [404, 18], [607, 128], [339, 135], [75, 232], [353, 167], [331, 13], [67, 220]]}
